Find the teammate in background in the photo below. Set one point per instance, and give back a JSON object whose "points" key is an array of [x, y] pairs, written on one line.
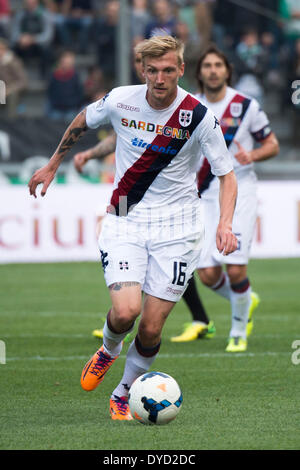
{"points": [[152, 235], [243, 123], [201, 327]]}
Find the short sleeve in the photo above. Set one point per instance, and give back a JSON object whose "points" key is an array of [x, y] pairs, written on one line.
{"points": [[98, 113], [259, 123], [213, 145]]}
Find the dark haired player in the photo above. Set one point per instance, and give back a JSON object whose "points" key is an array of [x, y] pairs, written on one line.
{"points": [[243, 123]]}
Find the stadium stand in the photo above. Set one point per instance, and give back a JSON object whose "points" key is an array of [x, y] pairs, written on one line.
{"points": [[265, 56]]}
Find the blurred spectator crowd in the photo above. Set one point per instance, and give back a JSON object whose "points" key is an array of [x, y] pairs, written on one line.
{"points": [[70, 46]]}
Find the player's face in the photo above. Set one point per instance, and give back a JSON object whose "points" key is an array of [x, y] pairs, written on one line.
{"points": [[162, 75], [213, 73]]}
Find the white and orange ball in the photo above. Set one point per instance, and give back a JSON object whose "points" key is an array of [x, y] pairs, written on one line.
{"points": [[155, 398]]}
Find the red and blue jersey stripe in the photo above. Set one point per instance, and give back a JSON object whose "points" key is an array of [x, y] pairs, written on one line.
{"points": [[139, 177], [205, 175]]}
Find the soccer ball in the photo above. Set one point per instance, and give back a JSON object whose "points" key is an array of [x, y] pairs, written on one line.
{"points": [[155, 398]]}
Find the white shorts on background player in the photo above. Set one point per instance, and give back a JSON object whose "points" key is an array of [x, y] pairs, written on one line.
{"points": [[243, 226]]}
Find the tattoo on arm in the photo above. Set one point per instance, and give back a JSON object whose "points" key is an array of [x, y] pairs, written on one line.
{"points": [[105, 147], [72, 137], [73, 134], [120, 285]]}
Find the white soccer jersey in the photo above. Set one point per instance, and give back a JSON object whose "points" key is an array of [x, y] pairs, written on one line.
{"points": [[241, 119], [158, 151]]}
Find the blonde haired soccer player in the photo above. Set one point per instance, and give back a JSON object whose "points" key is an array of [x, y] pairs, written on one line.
{"points": [[152, 235]]}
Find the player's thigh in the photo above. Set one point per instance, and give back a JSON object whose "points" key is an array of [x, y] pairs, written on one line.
{"points": [[171, 264], [126, 299]]}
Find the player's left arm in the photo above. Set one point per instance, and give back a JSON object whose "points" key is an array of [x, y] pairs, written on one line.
{"points": [[214, 148], [269, 147], [225, 239], [261, 132]]}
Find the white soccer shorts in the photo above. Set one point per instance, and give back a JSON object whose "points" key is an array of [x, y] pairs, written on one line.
{"points": [[243, 226], [162, 259]]}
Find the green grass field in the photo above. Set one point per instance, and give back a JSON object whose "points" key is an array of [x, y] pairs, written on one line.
{"points": [[230, 401]]}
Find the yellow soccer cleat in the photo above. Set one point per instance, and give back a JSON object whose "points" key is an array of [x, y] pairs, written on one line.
{"points": [[236, 344], [119, 409], [98, 333], [255, 300], [193, 331], [211, 331]]}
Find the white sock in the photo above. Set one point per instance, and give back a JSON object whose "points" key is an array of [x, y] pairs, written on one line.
{"points": [[240, 303], [222, 287], [136, 365], [113, 342]]}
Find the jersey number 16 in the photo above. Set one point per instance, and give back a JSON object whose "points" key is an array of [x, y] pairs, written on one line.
{"points": [[179, 273]]}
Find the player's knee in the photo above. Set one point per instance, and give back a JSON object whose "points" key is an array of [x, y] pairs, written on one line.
{"points": [[236, 273], [208, 276], [149, 333], [126, 314]]}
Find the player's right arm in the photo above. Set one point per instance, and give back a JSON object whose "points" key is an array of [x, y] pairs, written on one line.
{"points": [[46, 174], [101, 150], [92, 116]]}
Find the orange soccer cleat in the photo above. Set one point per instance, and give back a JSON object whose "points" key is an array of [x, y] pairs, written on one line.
{"points": [[95, 369], [119, 409]]}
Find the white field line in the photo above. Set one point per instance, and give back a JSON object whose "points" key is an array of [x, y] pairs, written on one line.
{"points": [[102, 315], [161, 356], [55, 314], [84, 335]]}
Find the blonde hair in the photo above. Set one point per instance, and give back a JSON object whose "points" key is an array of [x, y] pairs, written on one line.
{"points": [[157, 46]]}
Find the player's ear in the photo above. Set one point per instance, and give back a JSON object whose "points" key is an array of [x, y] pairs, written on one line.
{"points": [[181, 69]]}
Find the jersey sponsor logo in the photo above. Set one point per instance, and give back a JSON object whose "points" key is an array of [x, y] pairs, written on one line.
{"points": [[128, 107], [156, 148], [185, 117], [167, 131], [170, 290], [230, 122]]}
